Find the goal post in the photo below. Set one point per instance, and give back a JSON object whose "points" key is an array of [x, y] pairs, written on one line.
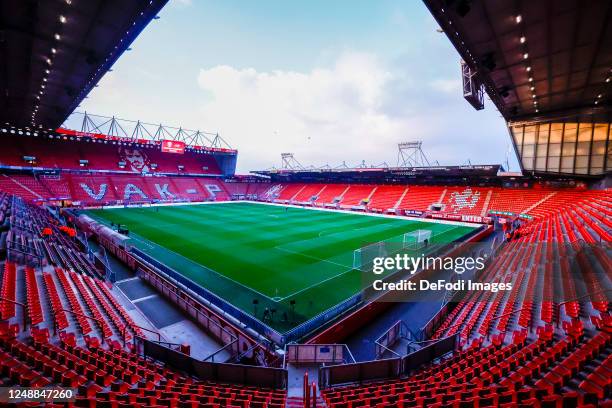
{"points": [[364, 256], [417, 239]]}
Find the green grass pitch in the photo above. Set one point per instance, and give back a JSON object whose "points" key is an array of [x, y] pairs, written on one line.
{"points": [[244, 251]]}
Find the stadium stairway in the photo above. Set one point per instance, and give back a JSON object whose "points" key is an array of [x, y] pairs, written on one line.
{"points": [[331, 192], [420, 198], [308, 192], [289, 191]]}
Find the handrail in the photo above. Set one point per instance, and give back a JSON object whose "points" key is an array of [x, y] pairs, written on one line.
{"points": [[125, 326], [493, 318], [377, 342], [167, 344], [584, 296], [17, 248], [220, 350], [82, 315], [259, 344], [423, 341], [587, 295], [508, 313], [24, 307]]}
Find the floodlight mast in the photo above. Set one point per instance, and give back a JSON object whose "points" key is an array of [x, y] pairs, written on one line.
{"points": [[290, 162], [473, 89], [410, 154]]}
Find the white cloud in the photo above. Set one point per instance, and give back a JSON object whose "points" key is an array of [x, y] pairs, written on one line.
{"points": [[446, 85], [356, 108], [325, 115]]}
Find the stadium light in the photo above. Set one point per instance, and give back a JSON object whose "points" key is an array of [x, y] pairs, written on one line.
{"points": [[523, 39], [62, 19], [526, 55], [518, 19]]}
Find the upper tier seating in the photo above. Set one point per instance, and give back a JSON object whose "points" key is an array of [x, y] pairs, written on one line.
{"points": [[56, 153]]}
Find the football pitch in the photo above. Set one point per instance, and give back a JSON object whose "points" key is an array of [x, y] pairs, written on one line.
{"points": [[294, 262]]}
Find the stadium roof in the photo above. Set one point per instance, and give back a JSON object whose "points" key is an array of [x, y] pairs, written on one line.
{"points": [[535, 58], [54, 52]]}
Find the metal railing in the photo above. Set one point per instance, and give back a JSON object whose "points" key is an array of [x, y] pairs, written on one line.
{"points": [[78, 314], [23, 306], [399, 330], [127, 326]]}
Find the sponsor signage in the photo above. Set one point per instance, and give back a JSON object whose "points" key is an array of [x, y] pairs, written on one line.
{"points": [[510, 214], [413, 212], [173, 146], [442, 216]]}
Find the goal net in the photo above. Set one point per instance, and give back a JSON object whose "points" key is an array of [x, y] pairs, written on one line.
{"points": [[417, 239], [363, 258]]}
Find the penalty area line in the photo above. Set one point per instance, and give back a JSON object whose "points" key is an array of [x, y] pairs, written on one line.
{"points": [[316, 284], [309, 256]]}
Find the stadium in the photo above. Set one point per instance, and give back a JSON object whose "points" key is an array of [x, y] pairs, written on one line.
{"points": [[141, 269]]}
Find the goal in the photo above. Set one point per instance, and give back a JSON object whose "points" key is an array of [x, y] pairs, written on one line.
{"points": [[417, 239], [364, 256]]}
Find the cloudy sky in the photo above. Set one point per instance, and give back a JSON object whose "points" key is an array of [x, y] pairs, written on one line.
{"points": [[330, 81]]}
